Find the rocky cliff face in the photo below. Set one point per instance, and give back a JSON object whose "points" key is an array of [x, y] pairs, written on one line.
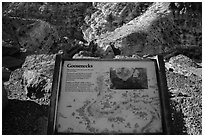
{"points": [[141, 28], [131, 36]]}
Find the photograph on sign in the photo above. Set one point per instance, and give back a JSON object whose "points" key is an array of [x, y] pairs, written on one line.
{"points": [[128, 78], [110, 97]]}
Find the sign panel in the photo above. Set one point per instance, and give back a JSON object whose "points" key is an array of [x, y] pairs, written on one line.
{"points": [[107, 97]]}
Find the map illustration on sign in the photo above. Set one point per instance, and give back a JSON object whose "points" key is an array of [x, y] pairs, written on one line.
{"points": [[106, 97]]}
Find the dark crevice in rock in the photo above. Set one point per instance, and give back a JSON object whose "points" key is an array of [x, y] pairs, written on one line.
{"points": [[36, 91], [178, 122]]}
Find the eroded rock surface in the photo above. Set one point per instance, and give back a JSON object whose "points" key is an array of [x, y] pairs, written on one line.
{"points": [[142, 28], [34, 80], [134, 35], [39, 37], [184, 66], [186, 103]]}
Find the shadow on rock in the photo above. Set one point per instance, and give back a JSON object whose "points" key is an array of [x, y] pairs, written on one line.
{"points": [[178, 122], [24, 118]]}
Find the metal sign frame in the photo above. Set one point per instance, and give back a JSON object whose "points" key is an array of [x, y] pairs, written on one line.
{"points": [[162, 86]]}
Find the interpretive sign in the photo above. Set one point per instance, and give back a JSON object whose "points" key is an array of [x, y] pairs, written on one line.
{"points": [[109, 97]]}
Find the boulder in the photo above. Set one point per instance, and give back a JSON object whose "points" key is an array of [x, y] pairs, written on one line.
{"points": [[139, 34], [39, 37], [141, 28], [34, 35], [110, 16], [184, 65], [33, 80]]}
